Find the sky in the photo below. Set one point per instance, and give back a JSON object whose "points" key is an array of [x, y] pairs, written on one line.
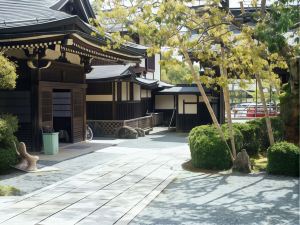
{"points": [[232, 3]]}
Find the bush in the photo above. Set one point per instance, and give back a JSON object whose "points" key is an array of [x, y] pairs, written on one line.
{"points": [[250, 140], [260, 128], [283, 159], [8, 126], [208, 150], [8, 155]]}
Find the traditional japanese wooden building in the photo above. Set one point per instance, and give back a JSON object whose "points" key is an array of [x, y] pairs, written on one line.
{"points": [[120, 91], [51, 43], [119, 95], [183, 106]]}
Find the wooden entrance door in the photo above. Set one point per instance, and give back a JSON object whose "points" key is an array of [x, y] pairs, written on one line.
{"points": [[46, 108]]}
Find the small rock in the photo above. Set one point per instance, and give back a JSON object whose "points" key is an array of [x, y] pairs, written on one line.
{"points": [[242, 162], [126, 132], [140, 131]]}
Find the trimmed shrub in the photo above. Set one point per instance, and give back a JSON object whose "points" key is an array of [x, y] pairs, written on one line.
{"points": [[283, 159], [8, 155], [208, 150], [8, 126], [250, 140], [260, 128]]}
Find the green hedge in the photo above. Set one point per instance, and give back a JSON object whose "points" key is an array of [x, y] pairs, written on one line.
{"points": [[283, 159], [8, 155], [208, 150], [250, 140], [260, 128]]}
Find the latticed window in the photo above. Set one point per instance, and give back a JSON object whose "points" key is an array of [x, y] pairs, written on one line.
{"points": [[150, 63], [46, 98], [78, 103]]}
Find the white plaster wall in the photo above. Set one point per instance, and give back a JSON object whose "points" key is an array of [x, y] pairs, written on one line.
{"points": [[189, 108], [136, 92], [157, 67], [144, 93], [124, 92], [150, 75], [116, 91], [142, 63], [99, 98], [164, 102]]}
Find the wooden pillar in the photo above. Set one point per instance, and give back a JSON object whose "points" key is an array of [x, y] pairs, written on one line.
{"points": [[114, 100], [35, 110]]}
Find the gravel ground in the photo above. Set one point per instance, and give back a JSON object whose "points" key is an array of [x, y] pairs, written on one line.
{"points": [[198, 198]]}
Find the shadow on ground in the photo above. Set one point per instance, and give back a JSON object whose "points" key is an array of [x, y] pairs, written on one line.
{"points": [[225, 199]]}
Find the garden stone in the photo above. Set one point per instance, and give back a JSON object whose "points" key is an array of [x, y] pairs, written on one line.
{"points": [[140, 131], [242, 162], [28, 162], [126, 132]]}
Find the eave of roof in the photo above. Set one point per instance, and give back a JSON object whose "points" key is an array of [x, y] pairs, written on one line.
{"points": [[53, 21], [109, 73]]}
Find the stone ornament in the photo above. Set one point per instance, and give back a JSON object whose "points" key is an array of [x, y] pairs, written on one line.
{"points": [[28, 162], [140, 131], [242, 162], [126, 132]]}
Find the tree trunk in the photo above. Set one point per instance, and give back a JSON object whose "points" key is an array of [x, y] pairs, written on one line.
{"points": [[223, 71], [263, 100], [289, 105], [205, 98], [263, 8]]}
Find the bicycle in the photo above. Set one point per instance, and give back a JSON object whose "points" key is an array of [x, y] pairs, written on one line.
{"points": [[89, 133]]}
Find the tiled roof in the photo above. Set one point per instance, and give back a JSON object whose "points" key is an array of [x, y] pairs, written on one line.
{"points": [[18, 13], [109, 71]]}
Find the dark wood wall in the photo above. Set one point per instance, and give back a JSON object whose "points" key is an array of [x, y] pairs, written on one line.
{"points": [[124, 109], [99, 110], [69, 79], [186, 122], [114, 110], [18, 102], [32, 100]]}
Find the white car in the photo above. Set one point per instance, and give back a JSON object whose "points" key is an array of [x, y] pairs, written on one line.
{"points": [[240, 110]]}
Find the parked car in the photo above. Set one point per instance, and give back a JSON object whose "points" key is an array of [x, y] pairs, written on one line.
{"points": [[240, 110], [259, 111]]}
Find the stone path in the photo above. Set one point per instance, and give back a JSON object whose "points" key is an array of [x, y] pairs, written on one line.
{"points": [[113, 192]]}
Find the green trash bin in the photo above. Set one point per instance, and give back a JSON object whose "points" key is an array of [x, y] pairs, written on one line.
{"points": [[50, 143]]}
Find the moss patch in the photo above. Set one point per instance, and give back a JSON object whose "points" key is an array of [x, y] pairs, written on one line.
{"points": [[259, 163], [9, 191]]}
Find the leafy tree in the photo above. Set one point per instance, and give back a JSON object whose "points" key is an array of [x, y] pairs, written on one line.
{"points": [[173, 23], [176, 72], [279, 30], [8, 74]]}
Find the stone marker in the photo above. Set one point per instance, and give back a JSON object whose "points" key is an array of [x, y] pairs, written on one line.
{"points": [[242, 162], [140, 131], [126, 132]]}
